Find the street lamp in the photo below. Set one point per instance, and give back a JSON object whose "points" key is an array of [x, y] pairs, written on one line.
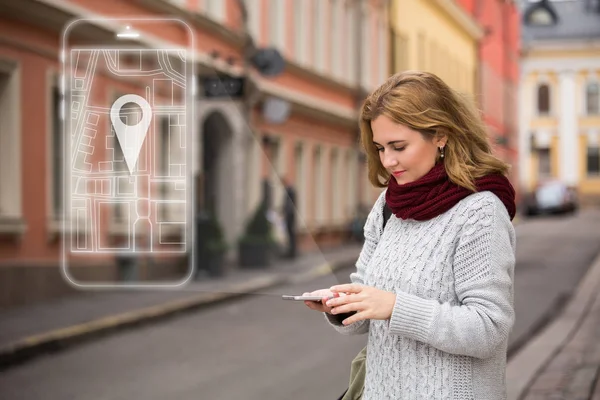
{"points": [[540, 14]]}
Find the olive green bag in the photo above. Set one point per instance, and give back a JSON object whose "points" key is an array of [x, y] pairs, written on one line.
{"points": [[358, 369]]}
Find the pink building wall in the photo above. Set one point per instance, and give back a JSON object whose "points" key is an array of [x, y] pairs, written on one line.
{"points": [[498, 73]]}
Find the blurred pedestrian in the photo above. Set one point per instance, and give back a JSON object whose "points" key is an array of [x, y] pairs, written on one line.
{"points": [[289, 214], [279, 230], [434, 291]]}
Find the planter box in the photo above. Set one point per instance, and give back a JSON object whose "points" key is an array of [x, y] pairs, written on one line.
{"points": [[211, 264], [214, 265], [253, 255]]}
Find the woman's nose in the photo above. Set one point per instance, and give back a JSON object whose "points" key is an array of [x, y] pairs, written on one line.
{"points": [[389, 160]]}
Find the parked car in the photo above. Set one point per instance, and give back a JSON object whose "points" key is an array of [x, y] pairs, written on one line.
{"points": [[551, 197]]}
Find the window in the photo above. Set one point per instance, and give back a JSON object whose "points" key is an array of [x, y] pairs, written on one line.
{"points": [[592, 98], [332, 30], [120, 168], [392, 46], [435, 58], [300, 179], [10, 141], [337, 185], [164, 165], [335, 48], [253, 9], [543, 99], [383, 56], [592, 5], [300, 47], [319, 35], [57, 143], [334, 200], [421, 51], [215, 9], [367, 46], [276, 23], [351, 15], [402, 56], [351, 184], [4, 114], [544, 168], [593, 160], [130, 114], [429, 55], [318, 178]]}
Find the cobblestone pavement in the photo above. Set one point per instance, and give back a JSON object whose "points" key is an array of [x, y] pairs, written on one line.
{"points": [[574, 372]]}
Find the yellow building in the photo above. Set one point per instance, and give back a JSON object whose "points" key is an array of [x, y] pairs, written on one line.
{"points": [[436, 36], [559, 133]]}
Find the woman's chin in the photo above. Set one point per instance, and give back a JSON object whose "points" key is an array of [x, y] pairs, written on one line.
{"points": [[401, 180]]}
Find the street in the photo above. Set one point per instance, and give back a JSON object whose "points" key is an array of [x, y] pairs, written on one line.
{"points": [[553, 254], [261, 347]]}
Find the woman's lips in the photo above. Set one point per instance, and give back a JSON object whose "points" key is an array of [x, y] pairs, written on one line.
{"points": [[397, 173]]}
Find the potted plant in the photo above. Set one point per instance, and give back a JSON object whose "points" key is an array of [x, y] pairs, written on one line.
{"points": [[257, 243], [213, 247]]}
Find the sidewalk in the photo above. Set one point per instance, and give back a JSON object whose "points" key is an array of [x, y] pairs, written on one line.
{"points": [[563, 362], [573, 373], [31, 330]]}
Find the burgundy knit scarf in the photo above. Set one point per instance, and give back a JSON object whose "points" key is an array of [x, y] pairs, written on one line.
{"points": [[434, 194]]}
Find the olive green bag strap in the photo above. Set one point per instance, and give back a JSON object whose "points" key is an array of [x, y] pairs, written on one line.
{"points": [[358, 369]]}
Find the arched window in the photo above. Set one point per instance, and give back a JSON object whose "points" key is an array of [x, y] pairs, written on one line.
{"points": [[592, 98], [543, 99]]}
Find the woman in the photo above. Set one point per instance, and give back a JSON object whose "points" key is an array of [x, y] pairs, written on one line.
{"points": [[434, 290]]}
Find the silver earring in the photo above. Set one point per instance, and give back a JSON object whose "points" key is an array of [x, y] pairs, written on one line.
{"points": [[442, 152]]}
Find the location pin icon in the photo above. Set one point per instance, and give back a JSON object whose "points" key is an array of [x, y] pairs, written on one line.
{"points": [[131, 137]]}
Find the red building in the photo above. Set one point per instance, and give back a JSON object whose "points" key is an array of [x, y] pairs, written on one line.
{"points": [[333, 51], [499, 74]]}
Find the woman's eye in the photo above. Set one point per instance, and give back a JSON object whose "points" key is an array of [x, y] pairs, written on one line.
{"points": [[399, 148], [380, 149]]}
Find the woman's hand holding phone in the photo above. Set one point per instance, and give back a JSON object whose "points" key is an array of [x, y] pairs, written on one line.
{"points": [[320, 306]]}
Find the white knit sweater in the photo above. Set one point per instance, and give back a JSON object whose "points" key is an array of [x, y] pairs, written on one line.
{"points": [[453, 278]]}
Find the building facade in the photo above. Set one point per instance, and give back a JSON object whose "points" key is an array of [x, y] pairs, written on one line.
{"points": [[498, 75], [333, 51], [559, 120], [473, 46], [436, 36]]}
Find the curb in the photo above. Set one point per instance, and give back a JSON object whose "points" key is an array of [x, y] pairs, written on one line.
{"points": [[55, 340], [526, 364]]}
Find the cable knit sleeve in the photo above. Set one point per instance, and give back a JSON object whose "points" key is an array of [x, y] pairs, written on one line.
{"points": [[483, 279], [372, 230]]}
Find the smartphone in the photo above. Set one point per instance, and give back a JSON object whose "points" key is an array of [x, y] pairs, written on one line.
{"points": [[303, 298]]}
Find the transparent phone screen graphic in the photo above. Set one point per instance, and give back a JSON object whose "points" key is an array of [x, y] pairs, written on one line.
{"points": [[128, 184]]}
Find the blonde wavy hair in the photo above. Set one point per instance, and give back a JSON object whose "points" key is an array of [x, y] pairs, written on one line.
{"points": [[423, 102]]}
